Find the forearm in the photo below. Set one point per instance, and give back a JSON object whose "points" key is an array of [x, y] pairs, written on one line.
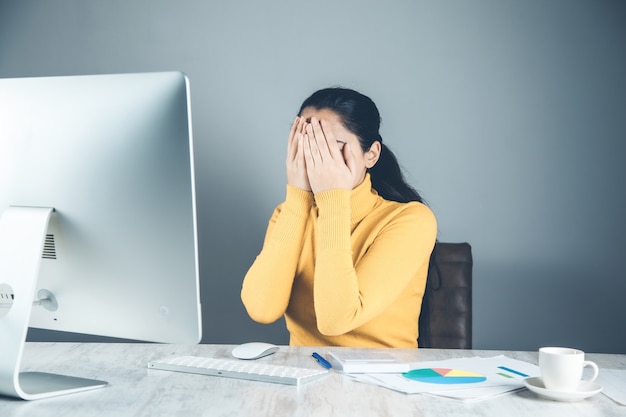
{"points": [[336, 289], [347, 295], [267, 285]]}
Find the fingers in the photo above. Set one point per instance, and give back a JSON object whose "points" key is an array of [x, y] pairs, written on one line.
{"points": [[294, 134], [314, 129], [324, 171], [348, 157], [296, 165], [300, 144], [330, 140], [321, 141], [312, 146]]}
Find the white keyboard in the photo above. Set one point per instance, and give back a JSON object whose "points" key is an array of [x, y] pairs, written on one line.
{"points": [[237, 368]]}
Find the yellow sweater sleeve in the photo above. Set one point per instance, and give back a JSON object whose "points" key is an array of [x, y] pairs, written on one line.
{"points": [[348, 295], [266, 288]]}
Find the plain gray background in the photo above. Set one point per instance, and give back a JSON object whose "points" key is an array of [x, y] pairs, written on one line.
{"points": [[508, 116]]}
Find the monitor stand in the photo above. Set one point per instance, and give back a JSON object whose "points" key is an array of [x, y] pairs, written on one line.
{"points": [[22, 235]]}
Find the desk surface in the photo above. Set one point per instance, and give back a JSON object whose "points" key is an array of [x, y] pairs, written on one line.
{"points": [[136, 391]]}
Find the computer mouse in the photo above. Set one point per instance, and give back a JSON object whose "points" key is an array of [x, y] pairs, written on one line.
{"points": [[253, 350]]}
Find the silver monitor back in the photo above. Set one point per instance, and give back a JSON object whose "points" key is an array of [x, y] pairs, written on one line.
{"points": [[113, 155]]}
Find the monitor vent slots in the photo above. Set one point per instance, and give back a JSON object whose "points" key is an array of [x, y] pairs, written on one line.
{"points": [[49, 248]]}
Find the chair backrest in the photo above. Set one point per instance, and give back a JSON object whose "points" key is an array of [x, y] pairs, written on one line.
{"points": [[446, 317]]}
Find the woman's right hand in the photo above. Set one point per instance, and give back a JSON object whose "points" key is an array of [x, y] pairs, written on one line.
{"points": [[296, 165]]}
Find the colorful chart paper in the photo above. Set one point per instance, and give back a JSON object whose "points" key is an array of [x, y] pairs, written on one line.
{"points": [[444, 376]]}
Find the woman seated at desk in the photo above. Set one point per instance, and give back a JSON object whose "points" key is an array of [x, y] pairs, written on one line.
{"points": [[346, 255]]}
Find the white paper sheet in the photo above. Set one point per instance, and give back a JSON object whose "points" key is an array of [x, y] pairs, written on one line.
{"points": [[613, 383], [501, 375]]}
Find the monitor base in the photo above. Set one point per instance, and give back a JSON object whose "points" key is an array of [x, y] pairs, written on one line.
{"points": [[22, 235], [36, 385]]}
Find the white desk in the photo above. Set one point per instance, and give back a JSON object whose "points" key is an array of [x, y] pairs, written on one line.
{"points": [[136, 391]]}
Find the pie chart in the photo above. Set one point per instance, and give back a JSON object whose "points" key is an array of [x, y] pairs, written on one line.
{"points": [[444, 376]]}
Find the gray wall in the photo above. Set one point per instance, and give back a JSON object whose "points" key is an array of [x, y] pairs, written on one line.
{"points": [[509, 117]]}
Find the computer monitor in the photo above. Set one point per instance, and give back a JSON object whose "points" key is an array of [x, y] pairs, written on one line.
{"points": [[98, 230]]}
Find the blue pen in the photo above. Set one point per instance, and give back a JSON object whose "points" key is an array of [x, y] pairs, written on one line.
{"points": [[321, 360]]}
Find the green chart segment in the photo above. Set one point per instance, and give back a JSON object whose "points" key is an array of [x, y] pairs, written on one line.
{"points": [[444, 376]]}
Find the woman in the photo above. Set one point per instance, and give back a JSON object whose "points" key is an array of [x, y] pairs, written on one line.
{"points": [[346, 254]]}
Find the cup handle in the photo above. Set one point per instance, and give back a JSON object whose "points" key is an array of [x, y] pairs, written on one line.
{"points": [[595, 370]]}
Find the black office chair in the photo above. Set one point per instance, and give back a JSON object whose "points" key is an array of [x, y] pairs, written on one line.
{"points": [[446, 317]]}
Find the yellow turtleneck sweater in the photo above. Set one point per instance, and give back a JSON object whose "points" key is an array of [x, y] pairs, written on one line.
{"points": [[345, 268]]}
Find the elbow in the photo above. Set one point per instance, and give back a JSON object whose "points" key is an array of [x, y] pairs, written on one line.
{"points": [[331, 327], [259, 311], [330, 331], [333, 321], [263, 317]]}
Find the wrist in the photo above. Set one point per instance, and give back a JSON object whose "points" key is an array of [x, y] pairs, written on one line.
{"points": [[298, 200], [334, 218]]}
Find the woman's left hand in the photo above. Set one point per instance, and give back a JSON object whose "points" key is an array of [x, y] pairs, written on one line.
{"points": [[328, 167]]}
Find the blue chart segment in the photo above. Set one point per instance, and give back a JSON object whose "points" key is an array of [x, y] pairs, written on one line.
{"points": [[444, 376]]}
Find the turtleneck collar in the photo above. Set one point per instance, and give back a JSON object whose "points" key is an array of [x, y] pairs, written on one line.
{"points": [[362, 199]]}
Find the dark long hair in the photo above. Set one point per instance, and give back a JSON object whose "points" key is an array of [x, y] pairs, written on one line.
{"points": [[360, 116]]}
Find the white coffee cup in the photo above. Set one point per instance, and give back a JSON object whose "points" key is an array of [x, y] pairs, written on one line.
{"points": [[562, 368]]}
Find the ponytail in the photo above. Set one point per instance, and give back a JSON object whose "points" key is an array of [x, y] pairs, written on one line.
{"points": [[388, 180]]}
